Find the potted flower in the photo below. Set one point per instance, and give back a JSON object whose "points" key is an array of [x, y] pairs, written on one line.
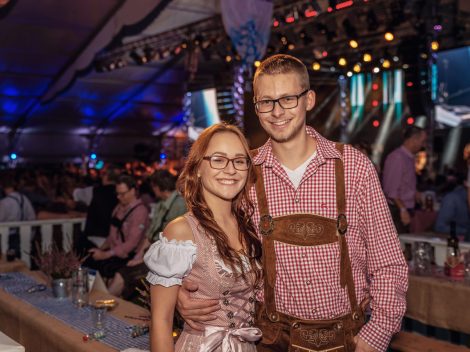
{"points": [[58, 265]]}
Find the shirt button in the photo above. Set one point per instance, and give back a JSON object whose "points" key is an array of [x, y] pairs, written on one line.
{"points": [[297, 200], [308, 282]]}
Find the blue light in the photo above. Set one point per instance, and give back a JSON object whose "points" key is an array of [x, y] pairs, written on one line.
{"points": [[162, 156], [13, 156], [93, 156], [99, 165]]}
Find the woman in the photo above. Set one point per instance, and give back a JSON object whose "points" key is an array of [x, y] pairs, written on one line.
{"points": [[214, 244]]}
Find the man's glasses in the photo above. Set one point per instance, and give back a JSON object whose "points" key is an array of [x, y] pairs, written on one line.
{"points": [[241, 163], [288, 102], [121, 194]]}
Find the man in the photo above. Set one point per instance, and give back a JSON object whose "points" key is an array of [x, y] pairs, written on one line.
{"points": [[99, 213], [399, 177], [14, 207], [317, 267], [454, 208], [170, 206], [128, 225]]}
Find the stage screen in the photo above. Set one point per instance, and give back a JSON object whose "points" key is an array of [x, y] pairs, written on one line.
{"points": [[452, 89], [204, 111]]}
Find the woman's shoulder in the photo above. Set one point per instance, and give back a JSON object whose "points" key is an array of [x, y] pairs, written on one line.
{"points": [[179, 229]]}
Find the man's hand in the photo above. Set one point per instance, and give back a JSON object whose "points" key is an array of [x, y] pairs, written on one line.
{"points": [[195, 311], [405, 216], [135, 261], [99, 254], [362, 346]]}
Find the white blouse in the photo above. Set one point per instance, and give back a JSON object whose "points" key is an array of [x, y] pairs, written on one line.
{"points": [[169, 262]]}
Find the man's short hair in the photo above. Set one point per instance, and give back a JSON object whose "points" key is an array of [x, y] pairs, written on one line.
{"points": [[411, 131], [281, 64], [128, 180], [112, 173], [164, 180]]}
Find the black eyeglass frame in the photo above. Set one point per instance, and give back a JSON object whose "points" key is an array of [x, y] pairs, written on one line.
{"points": [[278, 100], [227, 160]]}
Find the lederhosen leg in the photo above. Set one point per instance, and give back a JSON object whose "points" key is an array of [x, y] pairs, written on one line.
{"points": [[282, 332]]}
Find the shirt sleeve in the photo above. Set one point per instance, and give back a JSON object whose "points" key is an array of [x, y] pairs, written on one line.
{"points": [[393, 169], [387, 270], [134, 229], [169, 261]]}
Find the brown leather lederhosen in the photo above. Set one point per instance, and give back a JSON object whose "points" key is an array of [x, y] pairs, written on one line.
{"points": [[282, 332]]}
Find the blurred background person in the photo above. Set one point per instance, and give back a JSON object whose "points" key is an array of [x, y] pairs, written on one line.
{"points": [[399, 177], [170, 206]]}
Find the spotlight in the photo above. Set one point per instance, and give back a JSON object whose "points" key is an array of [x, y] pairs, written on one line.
{"points": [[410, 120], [310, 12], [357, 68], [93, 156], [324, 53], [375, 86], [376, 70], [13, 156], [386, 63], [275, 23], [342, 61], [376, 123], [434, 45], [409, 84], [367, 57], [353, 44], [291, 46], [396, 59], [349, 74], [389, 36], [375, 103], [150, 53], [257, 63], [228, 58], [316, 66], [138, 59]]}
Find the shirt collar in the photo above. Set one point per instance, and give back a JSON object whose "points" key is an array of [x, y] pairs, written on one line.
{"points": [[325, 150], [407, 152]]}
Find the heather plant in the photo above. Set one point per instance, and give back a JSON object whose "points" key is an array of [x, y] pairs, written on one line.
{"points": [[57, 263]]}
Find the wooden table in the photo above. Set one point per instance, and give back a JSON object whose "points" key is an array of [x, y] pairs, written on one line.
{"points": [[16, 265], [39, 332], [439, 302]]}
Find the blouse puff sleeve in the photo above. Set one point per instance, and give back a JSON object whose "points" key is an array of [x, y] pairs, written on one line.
{"points": [[169, 261]]}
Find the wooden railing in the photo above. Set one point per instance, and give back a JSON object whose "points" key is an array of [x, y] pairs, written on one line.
{"points": [[48, 231]]}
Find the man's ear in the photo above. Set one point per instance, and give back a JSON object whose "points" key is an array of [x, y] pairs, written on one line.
{"points": [[311, 97]]}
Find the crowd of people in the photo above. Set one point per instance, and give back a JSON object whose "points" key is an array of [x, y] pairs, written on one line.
{"points": [[255, 249]]}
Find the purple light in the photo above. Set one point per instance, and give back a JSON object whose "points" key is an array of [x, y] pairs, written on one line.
{"points": [[437, 27]]}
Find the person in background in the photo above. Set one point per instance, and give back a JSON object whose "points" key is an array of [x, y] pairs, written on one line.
{"points": [[128, 225], [329, 244], [214, 244], [170, 206], [399, 177], [466, 157], [99, 213], [454, 208], [14, 207]]}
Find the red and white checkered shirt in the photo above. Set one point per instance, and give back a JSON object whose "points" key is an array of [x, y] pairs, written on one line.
{"points": [[307, 278]]}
